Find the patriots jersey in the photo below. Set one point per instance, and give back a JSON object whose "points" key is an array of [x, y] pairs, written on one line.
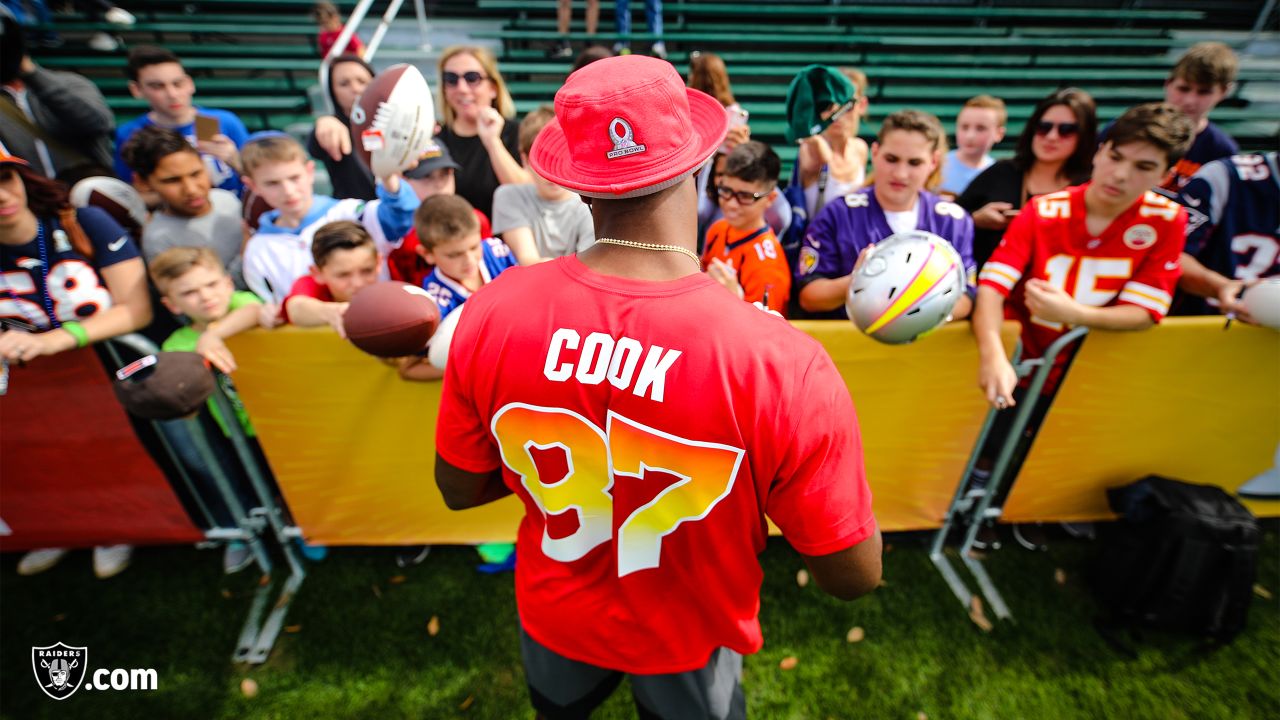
{"points": [[1134, 261], [1233, 221], [449, 294], [39, 277], [844, 229]]}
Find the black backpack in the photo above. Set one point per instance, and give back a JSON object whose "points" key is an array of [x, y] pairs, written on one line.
{"points": [[1183, 557]]}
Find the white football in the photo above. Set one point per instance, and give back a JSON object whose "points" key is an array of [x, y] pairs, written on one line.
{"points": [[1262, 301], [438, 348], [393, 120], [118, 198]]}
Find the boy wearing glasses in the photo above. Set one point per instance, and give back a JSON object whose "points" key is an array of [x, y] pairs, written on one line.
{"points": [[742, 252]]}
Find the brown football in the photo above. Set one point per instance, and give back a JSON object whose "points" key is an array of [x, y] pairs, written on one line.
{"points": [[391, 319]]}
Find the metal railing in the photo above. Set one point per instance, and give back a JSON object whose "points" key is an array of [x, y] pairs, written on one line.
{"points": [[349, 30]]}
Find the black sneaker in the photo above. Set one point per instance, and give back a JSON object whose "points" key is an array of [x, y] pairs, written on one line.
{"points": [[560, 51]]}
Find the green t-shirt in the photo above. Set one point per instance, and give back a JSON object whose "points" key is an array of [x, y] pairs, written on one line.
{"points": [[184, 340]]}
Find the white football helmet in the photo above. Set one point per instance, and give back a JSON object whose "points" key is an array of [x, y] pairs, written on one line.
{"points": [[906, 287]]}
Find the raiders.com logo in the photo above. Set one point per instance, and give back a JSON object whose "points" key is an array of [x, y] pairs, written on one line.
{"points": [[61, 669]]}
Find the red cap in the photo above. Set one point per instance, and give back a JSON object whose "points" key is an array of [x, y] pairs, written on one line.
{"points": [[625, 127]]}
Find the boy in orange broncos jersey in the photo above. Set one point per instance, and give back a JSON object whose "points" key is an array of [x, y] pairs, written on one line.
{"points": [[742, 252]]}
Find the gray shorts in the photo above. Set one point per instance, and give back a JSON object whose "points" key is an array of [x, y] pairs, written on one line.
{"points": [[564, 688]]}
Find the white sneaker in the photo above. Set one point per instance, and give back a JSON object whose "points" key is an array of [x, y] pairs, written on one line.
{"points": [[119, 16], [37, 561], [111, 560], [102, 42], [659, 50]]}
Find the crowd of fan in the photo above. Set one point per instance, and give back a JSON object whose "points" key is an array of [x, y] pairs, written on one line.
{"points": [[236, 237]]}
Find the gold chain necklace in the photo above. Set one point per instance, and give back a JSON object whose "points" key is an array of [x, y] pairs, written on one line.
{"points": [[653, 246]]}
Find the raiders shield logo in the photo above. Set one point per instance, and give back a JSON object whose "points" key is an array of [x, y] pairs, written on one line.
{"points": [[59, 669]]}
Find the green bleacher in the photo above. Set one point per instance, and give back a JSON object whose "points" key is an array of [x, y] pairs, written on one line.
{"points": [[926, 55], [258, 57]]}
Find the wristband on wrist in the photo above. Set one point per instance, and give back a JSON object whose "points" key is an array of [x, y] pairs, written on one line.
{"points": [[77, 331]]}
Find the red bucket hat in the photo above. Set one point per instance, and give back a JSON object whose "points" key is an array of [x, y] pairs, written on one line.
{"points": [[625, 127]]}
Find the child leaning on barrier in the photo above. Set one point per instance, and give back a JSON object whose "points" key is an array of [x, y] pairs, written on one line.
{"points": [[193, 284]]}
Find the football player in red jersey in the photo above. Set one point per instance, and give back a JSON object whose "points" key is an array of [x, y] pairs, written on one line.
{"points": [[1103, 254], [627, 400]]}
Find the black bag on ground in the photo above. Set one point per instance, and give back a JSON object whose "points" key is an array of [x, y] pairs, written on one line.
{"points": [[1182, 557]]}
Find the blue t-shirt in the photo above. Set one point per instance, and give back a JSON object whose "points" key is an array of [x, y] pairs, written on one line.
{"points": [[1233, 221], [75, 289], [844, 229], [221, 174], [956, 176], [450, 294]]}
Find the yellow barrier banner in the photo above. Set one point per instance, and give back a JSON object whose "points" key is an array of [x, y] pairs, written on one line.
{"points": [[1187, 400], [353, 446]]}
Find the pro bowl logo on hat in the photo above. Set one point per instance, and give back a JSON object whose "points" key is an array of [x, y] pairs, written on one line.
{"points": [[1140, 237], [624, 139], [59, 669]]}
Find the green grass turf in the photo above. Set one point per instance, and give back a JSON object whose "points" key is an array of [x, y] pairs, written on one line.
{"points": [[357, 653]]}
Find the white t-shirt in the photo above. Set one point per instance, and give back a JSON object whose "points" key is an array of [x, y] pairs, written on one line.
{"points": [[901, 222]]}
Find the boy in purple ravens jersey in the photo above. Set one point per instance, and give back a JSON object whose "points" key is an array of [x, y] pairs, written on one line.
{"points": [[1233, 231], [906, 155]]}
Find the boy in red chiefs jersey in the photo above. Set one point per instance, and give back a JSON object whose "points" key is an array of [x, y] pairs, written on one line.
{"points": [[631, 405], [1103, 254], [346, 260], [742, 252]]}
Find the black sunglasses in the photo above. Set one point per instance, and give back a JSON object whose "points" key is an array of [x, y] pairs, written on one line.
{"points": [[472, 77], [1066, 130], [742, 196]]}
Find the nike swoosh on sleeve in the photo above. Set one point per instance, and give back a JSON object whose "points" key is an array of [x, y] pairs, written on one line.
{"points": [[117, 244]]}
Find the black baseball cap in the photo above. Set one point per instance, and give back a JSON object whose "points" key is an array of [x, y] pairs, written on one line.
{"points": [[433, 158]]}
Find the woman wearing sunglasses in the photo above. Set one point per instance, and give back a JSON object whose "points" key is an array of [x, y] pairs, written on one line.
{"points": [[1054, 151], [478, 125]]}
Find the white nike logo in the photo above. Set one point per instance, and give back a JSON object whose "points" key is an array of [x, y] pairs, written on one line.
{"points": [[117, 244], [1192, 201], [1171, 265]]}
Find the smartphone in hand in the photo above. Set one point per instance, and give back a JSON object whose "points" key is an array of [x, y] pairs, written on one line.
{"points": [[207, 127]]}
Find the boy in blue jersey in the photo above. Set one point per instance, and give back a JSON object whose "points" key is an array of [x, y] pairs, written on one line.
{"points": [[463, 262], [277, 169], [905, 159], [1233, 232], [156, 75]]}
